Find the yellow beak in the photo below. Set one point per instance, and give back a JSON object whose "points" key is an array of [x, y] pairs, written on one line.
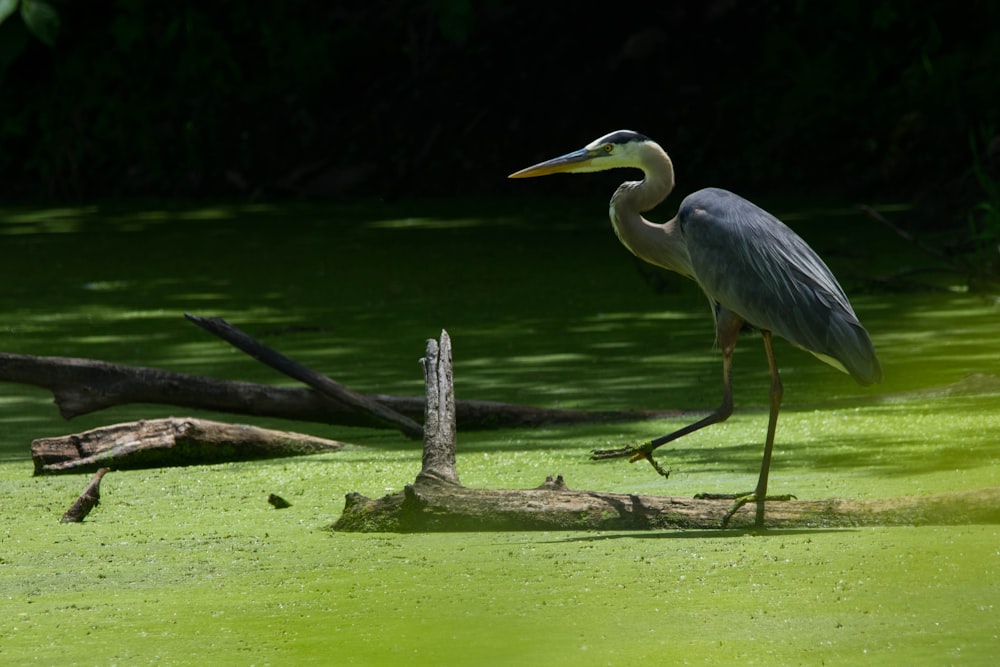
{"points": [[577, 160]]}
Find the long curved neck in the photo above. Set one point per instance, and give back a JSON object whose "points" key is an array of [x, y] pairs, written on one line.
{"points": [[657, 244]]}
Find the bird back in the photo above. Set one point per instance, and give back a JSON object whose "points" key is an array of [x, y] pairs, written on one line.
{"points": [[754, 265]]}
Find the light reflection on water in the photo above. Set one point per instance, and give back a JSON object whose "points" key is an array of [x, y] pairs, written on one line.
{"points": [[538, 313]]}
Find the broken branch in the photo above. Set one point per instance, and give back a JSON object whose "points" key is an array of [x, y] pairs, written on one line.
{"points": [[88, 500], [293, 369], [168, 442]]}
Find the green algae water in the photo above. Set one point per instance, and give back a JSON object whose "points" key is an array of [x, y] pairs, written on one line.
{"points": [[193, 566]]}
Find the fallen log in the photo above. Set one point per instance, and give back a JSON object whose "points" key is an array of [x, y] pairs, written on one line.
{"points": [[426, 506], [168, 442], [436, 501], [321, 383], [84, 386]]}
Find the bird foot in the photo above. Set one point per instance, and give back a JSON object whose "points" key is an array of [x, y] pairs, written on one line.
{"points": [[633, 453], [741, 499]]}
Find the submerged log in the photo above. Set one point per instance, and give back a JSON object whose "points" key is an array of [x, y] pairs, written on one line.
{"points": [[168, 442], [436, 501], [84, 386]]}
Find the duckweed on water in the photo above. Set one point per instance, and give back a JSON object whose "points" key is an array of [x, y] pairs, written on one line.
{"points": [[193, 566]]}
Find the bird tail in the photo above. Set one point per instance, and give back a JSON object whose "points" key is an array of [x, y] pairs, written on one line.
{"points": [[851, 350]]}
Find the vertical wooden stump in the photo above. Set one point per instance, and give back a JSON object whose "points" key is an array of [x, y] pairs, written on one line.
{"points": [[438, 464]]}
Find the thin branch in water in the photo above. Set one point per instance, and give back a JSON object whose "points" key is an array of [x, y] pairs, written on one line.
{"points": [[907, 236]]}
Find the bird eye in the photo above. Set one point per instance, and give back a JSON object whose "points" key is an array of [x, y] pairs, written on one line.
{"points": [[608, 148]]}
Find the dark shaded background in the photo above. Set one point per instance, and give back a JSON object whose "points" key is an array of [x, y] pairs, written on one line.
{"points": [[248, 98]]}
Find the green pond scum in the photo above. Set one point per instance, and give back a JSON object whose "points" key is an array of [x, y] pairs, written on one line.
{"points": [[184, 566]]}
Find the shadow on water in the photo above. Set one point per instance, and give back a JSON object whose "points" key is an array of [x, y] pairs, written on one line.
{"points": [[709, 534], [543, 305]]}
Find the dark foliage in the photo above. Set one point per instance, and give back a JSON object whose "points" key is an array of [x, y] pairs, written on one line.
{"points": [[432, 97]]}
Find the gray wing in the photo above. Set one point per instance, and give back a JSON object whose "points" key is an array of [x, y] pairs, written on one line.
{"points": [[755, 266]]}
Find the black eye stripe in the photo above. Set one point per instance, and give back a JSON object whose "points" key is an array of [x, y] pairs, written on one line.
{"points": [[624, 137]]}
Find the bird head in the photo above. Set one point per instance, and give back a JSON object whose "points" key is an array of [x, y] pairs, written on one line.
{"points": [[614, 150]]}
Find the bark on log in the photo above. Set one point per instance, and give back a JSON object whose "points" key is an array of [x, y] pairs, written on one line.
{"points": [[88, 500], [83, 386], [437, 502], [426, 506], [438, 462], [321, 383], [168, 442]]}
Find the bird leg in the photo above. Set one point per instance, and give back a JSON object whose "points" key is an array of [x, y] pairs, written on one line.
{"points": [[759, 495], [728, 327], [645, 451]]}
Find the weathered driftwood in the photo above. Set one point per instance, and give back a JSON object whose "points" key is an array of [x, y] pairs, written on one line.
{"points": [[83, 386], [438, 462], [168, 442], [88, 500], [321, 383], [436, 501], [434, 506]]}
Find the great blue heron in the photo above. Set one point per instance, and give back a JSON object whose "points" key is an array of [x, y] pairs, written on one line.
{"points": [[755, 271]]}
